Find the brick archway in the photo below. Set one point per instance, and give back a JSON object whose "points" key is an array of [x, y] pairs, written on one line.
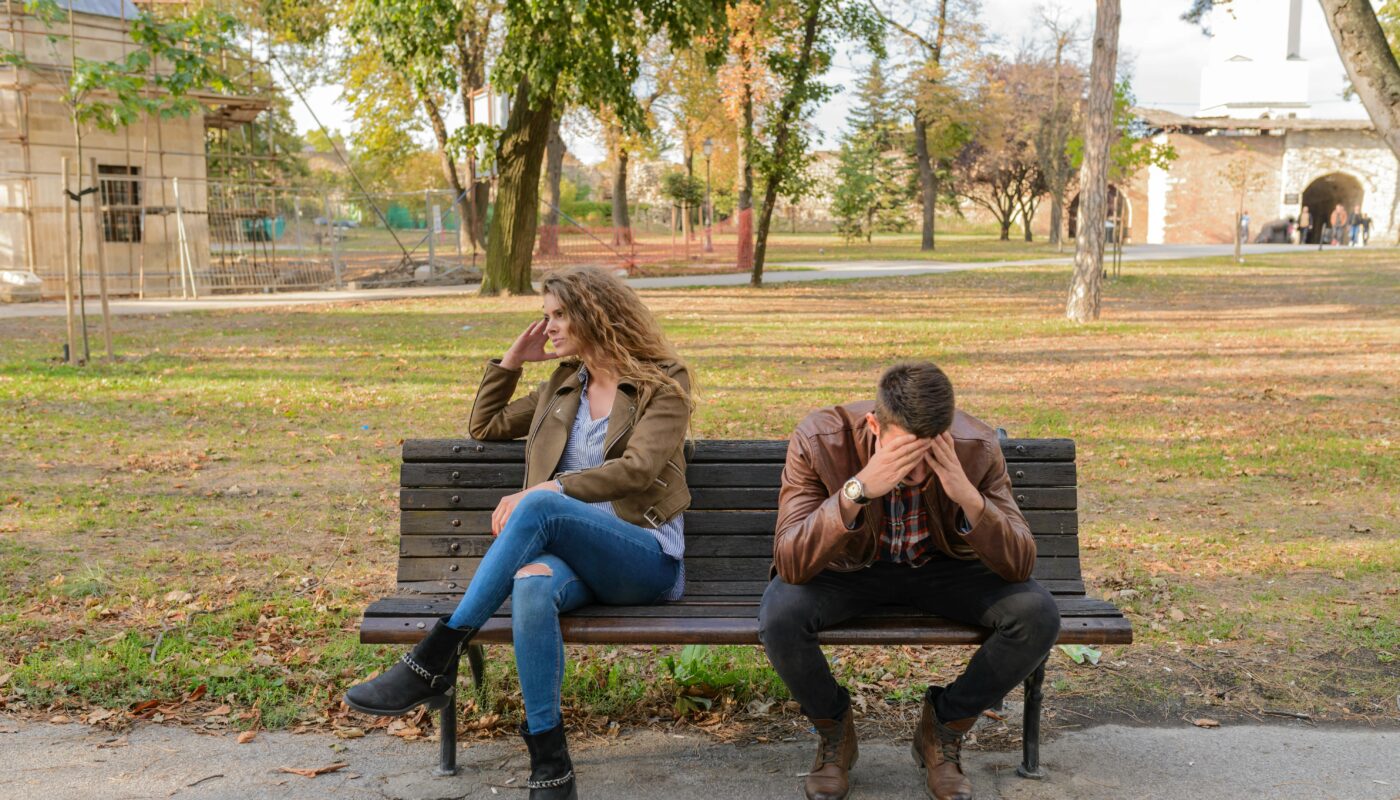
{"points": [[1325, 193]]}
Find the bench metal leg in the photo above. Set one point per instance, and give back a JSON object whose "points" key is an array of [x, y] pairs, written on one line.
{"points": [[447, 736], [1030, 726], [476, 659]]}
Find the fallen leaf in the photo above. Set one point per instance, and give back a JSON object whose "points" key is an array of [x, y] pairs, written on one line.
{"points": [[100, 714], [1205, 722], [178, 597], [221, 711], [350, 733], [311, 773], [246, 736], [1359, 528]]}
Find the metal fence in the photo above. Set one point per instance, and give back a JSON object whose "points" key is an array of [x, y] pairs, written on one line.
{"points": [[190, 237]]}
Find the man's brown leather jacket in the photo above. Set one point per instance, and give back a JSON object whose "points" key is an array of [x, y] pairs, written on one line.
{"points": [[832, 444], [644, 471]]}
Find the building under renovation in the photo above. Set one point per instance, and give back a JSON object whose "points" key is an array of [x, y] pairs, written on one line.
{"points": [[158, 224]]}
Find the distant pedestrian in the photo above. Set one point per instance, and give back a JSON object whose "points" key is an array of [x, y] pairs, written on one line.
{"points": [[1338, 220], [1304, 225], [1366, 228], [1354, 224], [1244, 227]]}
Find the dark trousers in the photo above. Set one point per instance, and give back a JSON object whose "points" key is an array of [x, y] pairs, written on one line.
{"points": [[1023, 619]]}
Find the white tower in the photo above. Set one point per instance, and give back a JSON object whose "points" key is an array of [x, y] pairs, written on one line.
{"points": [[1254, 69]]}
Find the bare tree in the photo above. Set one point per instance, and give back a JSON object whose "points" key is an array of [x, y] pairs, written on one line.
{"points": [[553, 175], [1056, 125], [1086, 285], [1242, 177]]}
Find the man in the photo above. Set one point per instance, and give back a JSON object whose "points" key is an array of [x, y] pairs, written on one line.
{"points": [[1304, 225], [1354, 224], [902, 501], [1339, 224]]}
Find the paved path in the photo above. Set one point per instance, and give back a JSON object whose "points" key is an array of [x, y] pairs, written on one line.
{"points": [[809, 271], [75, 762]]}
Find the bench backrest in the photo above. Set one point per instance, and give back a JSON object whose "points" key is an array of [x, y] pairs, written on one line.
{"points": [[448, 488]]}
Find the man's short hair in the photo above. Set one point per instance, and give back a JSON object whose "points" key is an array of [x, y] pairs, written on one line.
{"points": [[916, 396]]}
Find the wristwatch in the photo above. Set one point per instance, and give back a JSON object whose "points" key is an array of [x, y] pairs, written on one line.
{"points": [[854, 491]]}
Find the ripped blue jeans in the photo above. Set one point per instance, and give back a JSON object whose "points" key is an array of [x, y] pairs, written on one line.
{"points": [[555, 555]]}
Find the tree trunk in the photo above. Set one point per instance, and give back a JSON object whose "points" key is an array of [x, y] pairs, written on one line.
{"points": [[622, 224], [1005, 228], [743, 207], [1086, 285], [511, 243], [928, 188], [1369, 62], [553, 174], [460, 197], [1057, 218], [1026, 222], [782, 139]]}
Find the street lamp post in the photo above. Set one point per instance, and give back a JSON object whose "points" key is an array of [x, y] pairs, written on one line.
{"points": [[708, 148]]}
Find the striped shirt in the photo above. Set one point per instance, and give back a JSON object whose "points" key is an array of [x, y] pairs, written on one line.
{"points": [[584, 450]]}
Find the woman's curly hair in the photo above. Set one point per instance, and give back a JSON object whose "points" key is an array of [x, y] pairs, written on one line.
{"points": [[614, 328]]}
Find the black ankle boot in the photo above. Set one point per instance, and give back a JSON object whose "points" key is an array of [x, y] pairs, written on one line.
{"points": [[428, 674], [551, 771]]}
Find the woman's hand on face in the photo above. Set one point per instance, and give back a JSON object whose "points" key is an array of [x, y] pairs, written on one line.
{"points": [[529, 346], [506, 507]]}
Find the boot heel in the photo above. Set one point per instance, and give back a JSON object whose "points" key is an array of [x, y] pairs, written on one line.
{"points": [[441, 701]]}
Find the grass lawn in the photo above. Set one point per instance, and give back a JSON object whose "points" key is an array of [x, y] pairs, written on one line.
{"points": [[215, 509]]}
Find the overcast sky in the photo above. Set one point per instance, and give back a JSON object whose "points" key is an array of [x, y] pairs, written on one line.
{"points": [[1165, 53]]}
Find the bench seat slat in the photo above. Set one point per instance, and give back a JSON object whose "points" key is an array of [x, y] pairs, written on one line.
{"points": [[709, 568], [702, 523], [710, 450], [1060, 498], [718, 606], [754, 588], [744, 630], [441, 545], [698, 476]]}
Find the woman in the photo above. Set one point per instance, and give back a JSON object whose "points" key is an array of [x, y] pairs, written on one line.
{"points": [[599, 520]]}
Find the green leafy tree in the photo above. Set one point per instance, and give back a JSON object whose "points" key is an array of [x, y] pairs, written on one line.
{"points": [[939, 37], [589, 56], [423, 58], [805, 36], [872, 189]]}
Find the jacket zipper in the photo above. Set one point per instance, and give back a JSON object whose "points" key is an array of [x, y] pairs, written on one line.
{"points": [[625, 428]]}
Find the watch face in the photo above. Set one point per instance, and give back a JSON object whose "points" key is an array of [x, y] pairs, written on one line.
{"points": [[852, 489]]}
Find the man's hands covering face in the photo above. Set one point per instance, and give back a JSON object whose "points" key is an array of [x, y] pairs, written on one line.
{"points": [[895, 456]]}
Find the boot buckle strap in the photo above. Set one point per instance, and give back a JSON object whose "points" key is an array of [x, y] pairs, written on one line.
{"points": [[420, 671], [550, 783]]}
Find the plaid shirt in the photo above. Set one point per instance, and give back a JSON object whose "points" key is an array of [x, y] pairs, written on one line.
{"points": [[905, 539]]}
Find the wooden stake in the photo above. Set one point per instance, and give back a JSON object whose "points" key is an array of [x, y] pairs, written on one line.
{"points": [[101, 258], [68, 267]]}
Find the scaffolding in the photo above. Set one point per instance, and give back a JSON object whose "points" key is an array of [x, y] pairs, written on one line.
{"points": [[179, 206]]}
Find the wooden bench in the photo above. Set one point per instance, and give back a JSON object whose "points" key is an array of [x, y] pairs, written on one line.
{"points": [[448, 488]]}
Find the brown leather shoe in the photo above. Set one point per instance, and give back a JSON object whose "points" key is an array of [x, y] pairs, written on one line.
{"points": [[938, 749], [829, 778]]}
